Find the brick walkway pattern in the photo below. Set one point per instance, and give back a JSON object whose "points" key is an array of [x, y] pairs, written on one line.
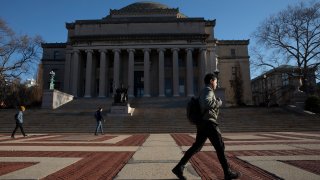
{"points": [[269, 155]]}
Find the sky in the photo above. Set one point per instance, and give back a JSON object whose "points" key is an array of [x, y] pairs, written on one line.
{"points": [[235, 19]]}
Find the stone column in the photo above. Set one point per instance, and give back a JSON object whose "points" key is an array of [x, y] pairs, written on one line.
{"points": [[131, 73], [211, 62], [146, 73], [67, 71], [203, 65], [175, 70], [190, 92], [88, 73], [102, 75], [116, 69], [75, 73], [161, 72]]}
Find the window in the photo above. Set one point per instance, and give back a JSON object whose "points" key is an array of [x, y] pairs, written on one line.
{"points": [[285, 79], [234, 72], [233, 52], [56, 54]]}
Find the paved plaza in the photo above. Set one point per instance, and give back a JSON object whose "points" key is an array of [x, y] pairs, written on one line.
{"points": [[265, 155]]}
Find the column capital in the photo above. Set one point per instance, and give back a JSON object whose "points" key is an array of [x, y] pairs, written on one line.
{"points": [[116, 50], [146, 50], [211, 49], [131, 50], [103, 50], [161, 49], [89, 50], [175, 49], [75, 51], [189, 49], [203, 49]]}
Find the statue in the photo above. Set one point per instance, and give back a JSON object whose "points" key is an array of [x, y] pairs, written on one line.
{"points": [[52, 74], [121, 96]]}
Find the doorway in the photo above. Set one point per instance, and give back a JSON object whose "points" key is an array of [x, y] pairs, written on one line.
{"points": [[138, 84]]}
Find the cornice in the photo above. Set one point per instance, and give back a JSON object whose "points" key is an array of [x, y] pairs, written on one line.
{"points": [[139, 37], [53, 45], [232, 42], [135, 20]]}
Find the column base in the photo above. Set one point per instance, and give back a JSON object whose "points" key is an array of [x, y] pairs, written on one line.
{"points": [[87, 96], [162, 95], [146, 95], [102, 96], [190, 95], [176, 95]]}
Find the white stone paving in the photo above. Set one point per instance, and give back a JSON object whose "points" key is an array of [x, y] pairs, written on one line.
{"points": [[44, 167], [273, 165], [70, 148], [155, 159]]}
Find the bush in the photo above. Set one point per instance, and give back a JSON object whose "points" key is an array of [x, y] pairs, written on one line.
{"points": [[313, 104]]}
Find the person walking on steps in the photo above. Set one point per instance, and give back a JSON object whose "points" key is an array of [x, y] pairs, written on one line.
{"points": [[19, 122], [207, 127], [99, 119]]}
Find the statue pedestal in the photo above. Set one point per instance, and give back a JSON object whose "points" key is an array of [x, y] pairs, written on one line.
{"points": [[299, 99], [118, 109]]}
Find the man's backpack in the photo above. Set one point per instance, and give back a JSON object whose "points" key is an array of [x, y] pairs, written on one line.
{"points": [[194, 111]]}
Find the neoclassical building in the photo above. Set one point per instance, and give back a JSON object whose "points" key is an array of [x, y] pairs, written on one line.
{"points": [[149, 48]]}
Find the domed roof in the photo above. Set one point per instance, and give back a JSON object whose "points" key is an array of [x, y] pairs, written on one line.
{"points": [[145, 9], [144, 5]]}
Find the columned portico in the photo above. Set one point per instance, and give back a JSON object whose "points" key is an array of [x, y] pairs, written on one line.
{"points": [[102, 75], [189, 72], [67, 72], [131, 72], [203, 65], [175, 70], [88, 73], [116, 68], [161, 72], [154, 50], [146, 72], [75, 73]]}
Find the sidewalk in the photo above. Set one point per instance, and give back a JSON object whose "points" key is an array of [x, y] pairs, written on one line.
{"points": [[265, 155]]}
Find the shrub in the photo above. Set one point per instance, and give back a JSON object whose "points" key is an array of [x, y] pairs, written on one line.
{"points": [[313, 104]]}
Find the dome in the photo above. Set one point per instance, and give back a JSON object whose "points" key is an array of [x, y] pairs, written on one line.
{"points": [[144, 6], [145, 9]]}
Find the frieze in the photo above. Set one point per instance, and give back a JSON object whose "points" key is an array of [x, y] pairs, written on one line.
{"points": [[140, 37]]}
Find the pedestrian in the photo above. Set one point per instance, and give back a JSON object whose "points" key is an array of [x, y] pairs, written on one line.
{"points": [[99, 119], [207, 127], [19, 122]]}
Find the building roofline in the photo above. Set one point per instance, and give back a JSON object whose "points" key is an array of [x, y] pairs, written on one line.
{"points": [[53, 45]]}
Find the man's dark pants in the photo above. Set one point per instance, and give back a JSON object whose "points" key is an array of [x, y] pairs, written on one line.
{"points": [[205, 130], [18, 125]]}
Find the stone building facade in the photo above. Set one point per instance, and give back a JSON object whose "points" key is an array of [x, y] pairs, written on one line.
{"points": [[150, 48], [280, 85]]}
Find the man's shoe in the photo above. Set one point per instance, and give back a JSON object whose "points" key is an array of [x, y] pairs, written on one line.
{"points": [[178, 171], [12, 137], [25, 136], [232, 175]]}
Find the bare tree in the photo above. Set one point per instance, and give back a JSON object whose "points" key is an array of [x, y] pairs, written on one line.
{"points": [[290, 37], [18, 54]]}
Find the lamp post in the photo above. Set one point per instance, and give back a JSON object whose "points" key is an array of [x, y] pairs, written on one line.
{"points": [[52, 74], [266, 90]]}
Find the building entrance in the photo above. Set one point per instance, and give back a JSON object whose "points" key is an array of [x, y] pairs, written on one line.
{"points": [[138, 84]]}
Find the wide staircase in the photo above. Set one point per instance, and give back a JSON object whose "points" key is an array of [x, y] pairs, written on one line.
{"points": [[154, 115]]}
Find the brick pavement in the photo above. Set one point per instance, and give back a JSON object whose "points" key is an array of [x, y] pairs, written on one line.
{"points": [[264, 155]]}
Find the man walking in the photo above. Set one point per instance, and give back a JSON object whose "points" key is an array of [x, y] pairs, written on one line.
{"points": [[207, 128], [99, 119], [19, 122]]}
